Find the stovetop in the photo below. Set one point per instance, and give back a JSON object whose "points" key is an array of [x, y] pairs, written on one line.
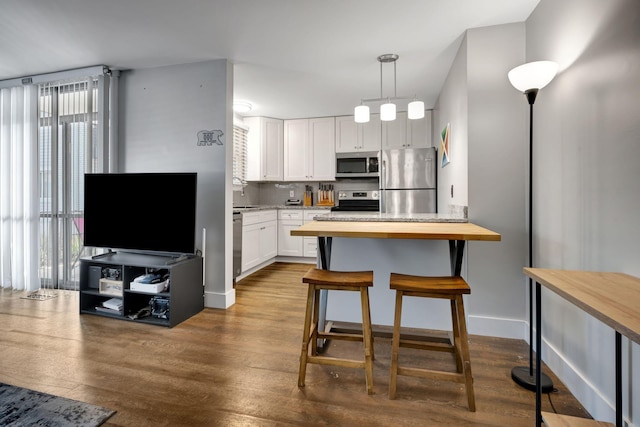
{"points": [[358, 200]]}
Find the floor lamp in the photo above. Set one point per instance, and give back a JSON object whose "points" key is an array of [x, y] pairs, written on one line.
{"points": [[530, 78]]}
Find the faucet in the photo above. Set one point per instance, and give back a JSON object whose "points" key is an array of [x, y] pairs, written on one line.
{"points": [[243, 183]]}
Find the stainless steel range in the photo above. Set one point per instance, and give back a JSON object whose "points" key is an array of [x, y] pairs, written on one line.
{"points": [[358, 200]]}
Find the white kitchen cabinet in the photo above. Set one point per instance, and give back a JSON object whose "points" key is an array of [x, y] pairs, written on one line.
{"points": [[310, 244], [309, 149], [372, 134], [264, 149], [394, 133], [352, 136], [405, 133], [296, 150], [259, 237], [288, 245], [419, 132]]}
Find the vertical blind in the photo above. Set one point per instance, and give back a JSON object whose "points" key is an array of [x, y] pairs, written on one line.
{"points": [[18, 188], [69, 147], [52, 132]]}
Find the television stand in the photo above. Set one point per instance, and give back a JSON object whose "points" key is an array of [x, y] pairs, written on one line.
{"points": [[178, 259], [109, 277]]}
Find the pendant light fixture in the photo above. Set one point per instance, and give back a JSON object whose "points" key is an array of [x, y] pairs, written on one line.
{"points": [[415, 108]]}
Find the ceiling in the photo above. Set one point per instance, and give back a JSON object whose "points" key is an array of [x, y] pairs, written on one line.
{"points": [[292, 58]]}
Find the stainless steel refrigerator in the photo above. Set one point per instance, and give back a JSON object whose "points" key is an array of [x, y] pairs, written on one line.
{"points": [[408, 180]]}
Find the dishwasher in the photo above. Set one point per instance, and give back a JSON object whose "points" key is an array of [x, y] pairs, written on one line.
{"points": [[237, 244]]}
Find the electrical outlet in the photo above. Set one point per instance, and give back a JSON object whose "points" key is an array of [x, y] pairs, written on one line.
{"points": [[291, 193]]}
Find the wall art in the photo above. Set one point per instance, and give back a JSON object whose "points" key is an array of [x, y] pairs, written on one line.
{"points": [[445, 148]]}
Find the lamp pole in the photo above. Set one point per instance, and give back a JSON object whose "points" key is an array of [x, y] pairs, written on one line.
{"points": [[530, 78], [521, 375]]}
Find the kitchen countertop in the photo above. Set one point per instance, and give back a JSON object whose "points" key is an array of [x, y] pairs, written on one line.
{"points": [[384, 217], [253, 208], [363, 216]]}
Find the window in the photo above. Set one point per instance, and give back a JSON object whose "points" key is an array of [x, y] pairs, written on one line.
{"points": [[239, 155], [69, 146]]}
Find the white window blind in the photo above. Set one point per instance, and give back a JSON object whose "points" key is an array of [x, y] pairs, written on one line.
{"points": [[239, 155]]}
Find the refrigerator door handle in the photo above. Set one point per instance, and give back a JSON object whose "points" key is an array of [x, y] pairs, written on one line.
{"points": [[383, 174]]}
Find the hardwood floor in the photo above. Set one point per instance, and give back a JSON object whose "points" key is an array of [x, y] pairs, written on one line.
{"points": [[239, 367]]}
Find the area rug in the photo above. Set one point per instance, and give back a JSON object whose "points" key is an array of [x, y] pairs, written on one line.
{"points": [[24, 407]]}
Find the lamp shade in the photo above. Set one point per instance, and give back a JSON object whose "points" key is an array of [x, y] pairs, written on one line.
{"points": [[415, 110], [388, 112], [533, 75], [361, 114]]}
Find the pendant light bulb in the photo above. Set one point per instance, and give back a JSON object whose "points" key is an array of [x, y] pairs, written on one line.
{"points": [[415, 110], [388, 112], [361, 114]]}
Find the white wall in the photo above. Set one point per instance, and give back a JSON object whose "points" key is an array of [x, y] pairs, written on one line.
{"points": [[497, 150], [487, 172], [587, 180], [162, 109], [451, 108]]}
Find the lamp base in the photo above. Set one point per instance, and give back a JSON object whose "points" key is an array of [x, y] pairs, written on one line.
{"points": [[520, 375]]}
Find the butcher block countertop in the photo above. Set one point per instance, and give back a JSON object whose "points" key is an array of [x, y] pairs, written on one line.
{"points": [[396, 230]]}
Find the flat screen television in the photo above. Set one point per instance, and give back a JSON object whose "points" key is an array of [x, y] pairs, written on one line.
{"points": [[143, 212]]}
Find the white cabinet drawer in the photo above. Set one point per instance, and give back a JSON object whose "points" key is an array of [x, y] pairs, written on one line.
{"points": [[290, 214], [310, 214], [256, 217], [249, 218], [271, 215]]}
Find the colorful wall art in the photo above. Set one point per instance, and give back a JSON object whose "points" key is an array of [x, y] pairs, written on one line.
{"points": [[444, 145]]}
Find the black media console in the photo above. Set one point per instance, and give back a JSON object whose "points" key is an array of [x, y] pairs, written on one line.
{"points": [[106, 287]]}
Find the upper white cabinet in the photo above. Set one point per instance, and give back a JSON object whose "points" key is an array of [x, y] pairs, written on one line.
{"points": [[309, 149], [264, 149], [405, 133], [352, 136]]}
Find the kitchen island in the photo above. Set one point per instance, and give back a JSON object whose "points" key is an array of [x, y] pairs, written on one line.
{"points": [[418, 244]]}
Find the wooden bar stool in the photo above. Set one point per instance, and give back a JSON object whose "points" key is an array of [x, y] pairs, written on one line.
{"points": [[358, 281], [451, 288]]}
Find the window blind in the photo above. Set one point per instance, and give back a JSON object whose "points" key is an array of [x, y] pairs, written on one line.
{"points": [[239, 155]]}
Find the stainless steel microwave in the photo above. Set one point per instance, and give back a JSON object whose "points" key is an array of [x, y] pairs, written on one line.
{"points": [[362, 164]]}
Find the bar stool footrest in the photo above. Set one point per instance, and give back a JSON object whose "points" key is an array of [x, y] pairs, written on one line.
{"points": [[430, 374], [427, 345], [336, 361], [340, 336]]}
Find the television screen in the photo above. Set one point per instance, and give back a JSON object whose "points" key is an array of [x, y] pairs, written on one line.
{"points": [[149, 212]]}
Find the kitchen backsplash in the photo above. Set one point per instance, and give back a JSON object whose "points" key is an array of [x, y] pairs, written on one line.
{"points": [[271, 193]]}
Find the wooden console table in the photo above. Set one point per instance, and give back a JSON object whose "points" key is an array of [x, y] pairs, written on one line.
{"points": [[612, 298]]}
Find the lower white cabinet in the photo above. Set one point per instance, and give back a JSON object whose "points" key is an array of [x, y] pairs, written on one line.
{"points": [[259, 237], [288, 245], [310, 244], [266, 234]]}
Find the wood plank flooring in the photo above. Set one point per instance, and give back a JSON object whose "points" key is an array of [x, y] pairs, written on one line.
{"points": [[239, 367]]}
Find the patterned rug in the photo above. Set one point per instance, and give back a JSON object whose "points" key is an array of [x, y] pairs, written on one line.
{"points": [[22, 407]]}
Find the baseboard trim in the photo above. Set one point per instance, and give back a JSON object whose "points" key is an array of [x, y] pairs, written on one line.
{"points": [[496, 327], [592, 398], [220, 300]]}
